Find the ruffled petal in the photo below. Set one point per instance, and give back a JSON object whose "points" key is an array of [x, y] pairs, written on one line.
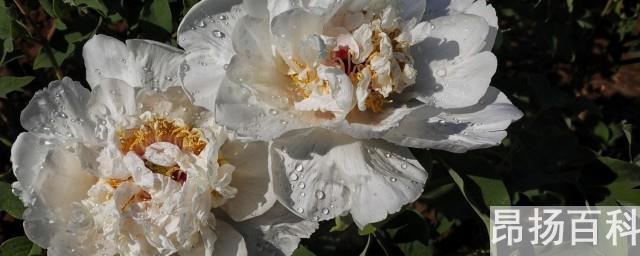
{"points": [[237, 110], [27, 155], [458, 130], [60, 110], [107, 57], [140, 63], [277, 232], [158, 63], [251, 178], [438, 8], [62, 181], [412, 9], [111, 101], [320, 175], [206, 34], [456, 84]]}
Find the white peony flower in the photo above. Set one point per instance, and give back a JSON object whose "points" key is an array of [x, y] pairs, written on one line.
{"points": [[406, 72], [133, 168]]}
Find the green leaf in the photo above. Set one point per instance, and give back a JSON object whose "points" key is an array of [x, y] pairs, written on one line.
{"points": [[158, 13], [302, 251], [43, 60], [622, 188], [626, 128], [6, 142], [570, 5], [464, 184], [340, 224], [96, 5], [6, 21], [367, 230], [19, 246], [10, 202], [602, 131], [415, 249], [12, 83]]}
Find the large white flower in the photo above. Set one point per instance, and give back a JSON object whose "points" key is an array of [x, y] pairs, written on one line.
{"points": [[133, 168], [405, 72]]}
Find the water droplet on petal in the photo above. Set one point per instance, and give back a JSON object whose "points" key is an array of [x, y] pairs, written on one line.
{"points": [[218, 34], [393, 179], [299, 168], [284, 122], [387, 155], [200, 24], [303, 194], [294, 176], [301, 185], [319, 194], [442, 122], [300, 210], [441, 72], [403, 166], [325, 211], [226, 66], [273, 112], [223, 17], [316, 218]]}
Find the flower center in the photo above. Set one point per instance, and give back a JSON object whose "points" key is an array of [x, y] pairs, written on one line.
{"points": [[162, 130], [374, 56]]}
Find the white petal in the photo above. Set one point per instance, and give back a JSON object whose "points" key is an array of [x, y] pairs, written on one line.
{"points": [[340, 99], [319, 175], [292, 27], [454, 36], [61, 110], [420, 32], [209, 49], [157, 63], [410, 9], [27, 155], [236, 110], [366, 125], [458, 130], [112, 100], [277, 232], [251, 177], [362, 89], [229, 241], [139, 63], [107, 57], [457, 84], [438, 8], [62, 181]]}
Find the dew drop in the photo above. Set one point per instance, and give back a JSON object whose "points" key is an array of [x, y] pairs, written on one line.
{"points": [[299, 168], [303, 194], [200, 24], [284, 122], [62, 115], [441, 72], [325, 211], [300, 210], [168, 78], [273, 112], [393, 179], [294, 176], [442, 122], [319, 194], [403, 166], [301, 185], [226, 66], [218, 34], [316, 218], [387, 155], [223, 17]]}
